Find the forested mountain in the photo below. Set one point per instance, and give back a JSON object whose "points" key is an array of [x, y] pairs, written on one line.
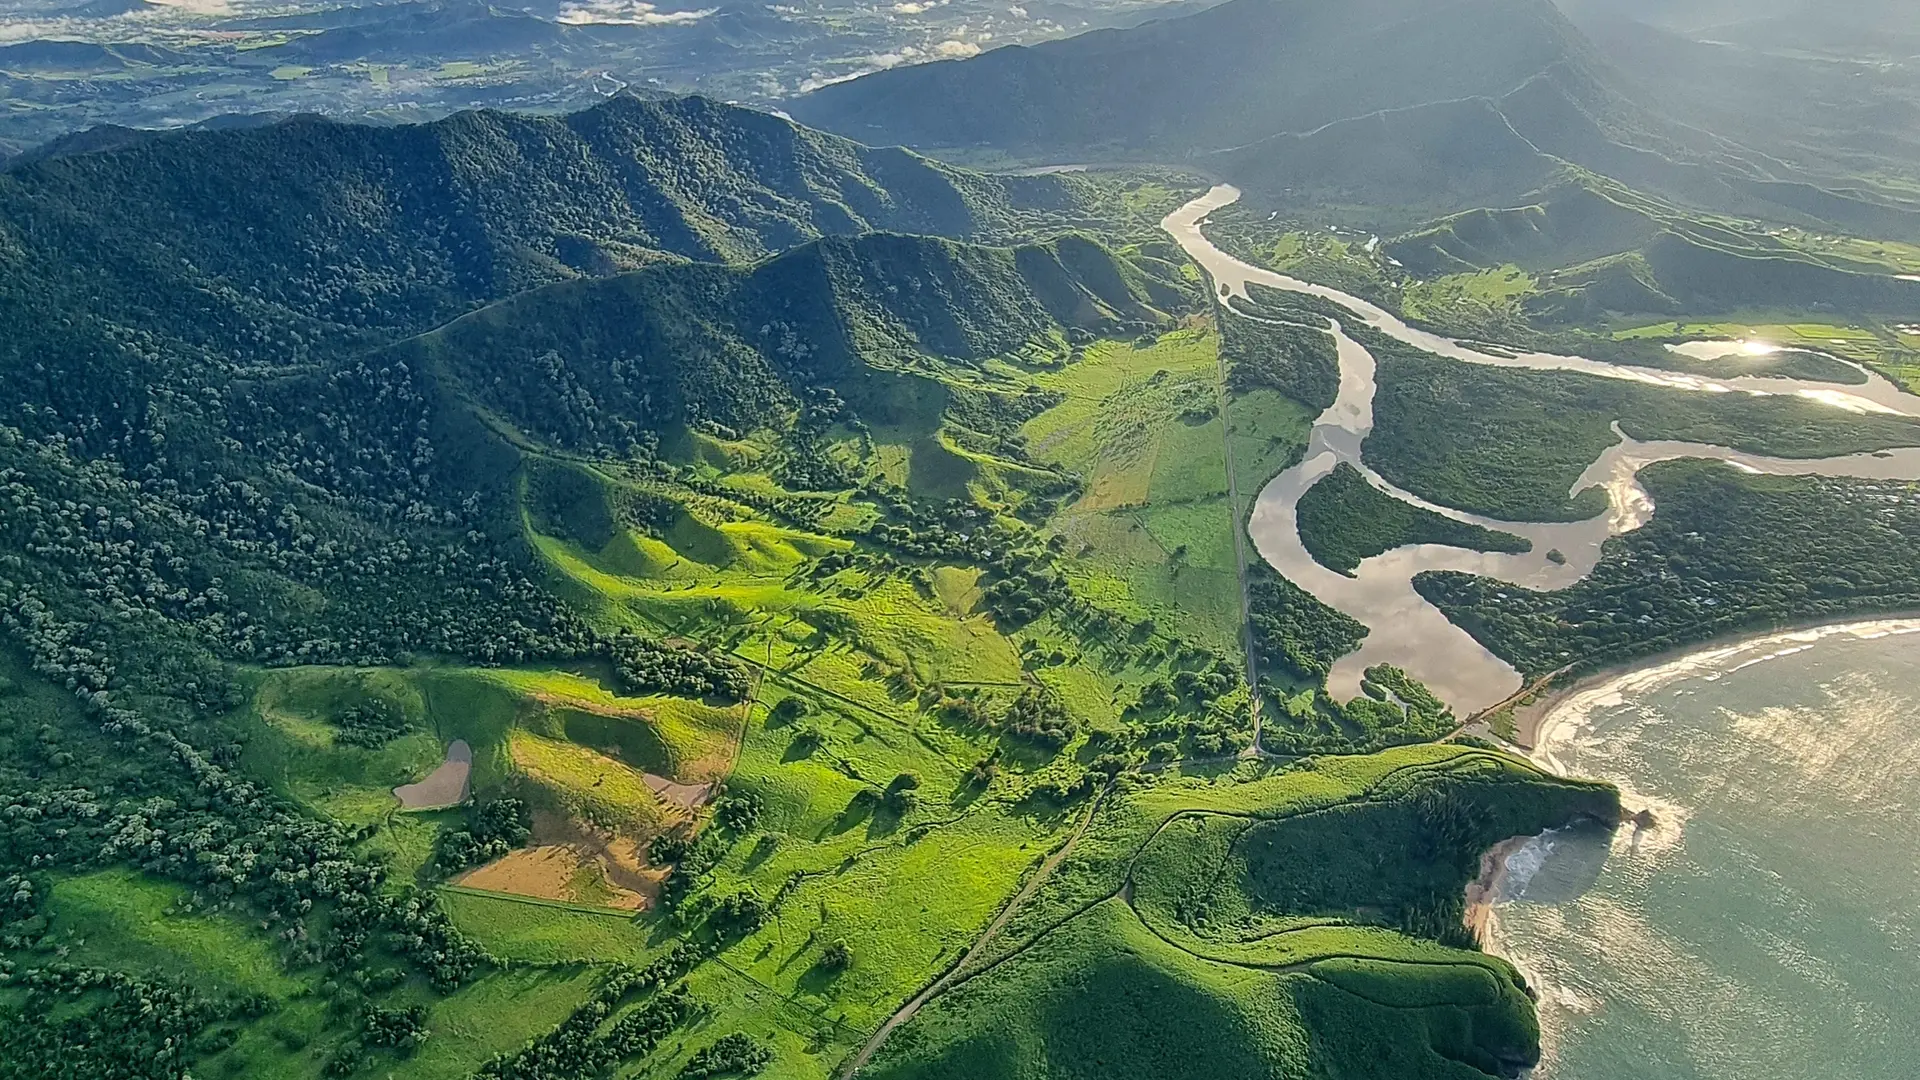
{"points": [[1831, 87], [161, 293], [202, 253], [608, 365], [232, 465], [1220, 78]]}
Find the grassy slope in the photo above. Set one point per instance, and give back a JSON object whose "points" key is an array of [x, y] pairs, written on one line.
{"points": [[1142, 426], [123, 920], [853, 644], [905, 891], [1112, 934]]}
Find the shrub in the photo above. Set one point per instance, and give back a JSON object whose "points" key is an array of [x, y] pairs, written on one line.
{"points": [[737, 1054], [371, 726]]}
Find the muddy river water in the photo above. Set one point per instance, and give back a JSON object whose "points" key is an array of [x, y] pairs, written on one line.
{"points": [[1405, 630]]}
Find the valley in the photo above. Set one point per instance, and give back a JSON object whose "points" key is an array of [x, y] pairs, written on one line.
{"points": [[672, 589], [1404, 630]]}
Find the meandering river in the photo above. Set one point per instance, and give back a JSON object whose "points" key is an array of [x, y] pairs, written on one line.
{"points": [[1405, 630]]}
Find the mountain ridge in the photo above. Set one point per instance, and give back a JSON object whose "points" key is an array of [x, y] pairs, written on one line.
{"points": [[1241, 44], [1269, 93], [742, 346], [272, 247]]}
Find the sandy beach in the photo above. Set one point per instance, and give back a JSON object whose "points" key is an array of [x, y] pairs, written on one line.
{"points": [[1531, 720], [1484, 891]]}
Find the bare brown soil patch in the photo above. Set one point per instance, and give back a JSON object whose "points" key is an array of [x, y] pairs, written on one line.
{"points": [[444, 786], [688, 797], [575, 864]]}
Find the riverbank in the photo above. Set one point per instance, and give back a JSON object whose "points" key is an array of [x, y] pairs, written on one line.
{"points": [[1536, 721], [1405, 629]]}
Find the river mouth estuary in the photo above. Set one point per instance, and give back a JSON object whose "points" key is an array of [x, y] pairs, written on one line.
{"points": [[1759, 917]]}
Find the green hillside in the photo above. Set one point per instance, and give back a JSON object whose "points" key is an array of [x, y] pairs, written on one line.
{"points": [[360, 685], [603, 364], [1600, 250], [1184, 936], [208, 254], [427, 656], [1587, 266]]}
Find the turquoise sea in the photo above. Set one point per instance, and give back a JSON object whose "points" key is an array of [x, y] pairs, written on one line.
{"points": [[1766, 924]]}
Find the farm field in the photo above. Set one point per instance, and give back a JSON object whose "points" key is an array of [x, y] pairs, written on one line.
{"points": [[1142, 425]]}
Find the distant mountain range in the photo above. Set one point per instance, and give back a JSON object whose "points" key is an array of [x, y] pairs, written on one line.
{"points": [[56, 55], [1221, 78], [1424, 106]]}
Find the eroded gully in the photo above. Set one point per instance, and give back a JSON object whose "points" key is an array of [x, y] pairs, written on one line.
{"points": [[1404, 629]]}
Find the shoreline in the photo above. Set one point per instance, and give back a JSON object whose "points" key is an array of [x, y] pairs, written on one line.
{"points": [[1533, 721], [1483, 892]]}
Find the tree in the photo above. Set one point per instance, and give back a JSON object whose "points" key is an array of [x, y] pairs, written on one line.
{"points": [[837, 956]]}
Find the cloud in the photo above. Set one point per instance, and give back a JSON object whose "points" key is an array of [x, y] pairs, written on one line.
{"points": [[195, 7], [954, 48], [815, 81], [885, 60], [29, 30], [917, 7], [626, 13]]}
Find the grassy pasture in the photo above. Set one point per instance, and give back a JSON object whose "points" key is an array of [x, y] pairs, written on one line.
{"points": [[123, 920], [1172, 915], [1141, 424]]}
